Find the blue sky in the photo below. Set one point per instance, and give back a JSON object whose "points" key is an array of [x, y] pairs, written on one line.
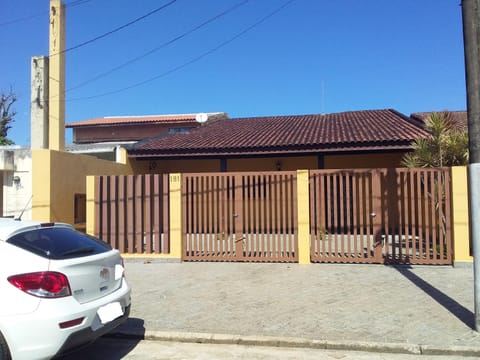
{"points": [[311, 56]]}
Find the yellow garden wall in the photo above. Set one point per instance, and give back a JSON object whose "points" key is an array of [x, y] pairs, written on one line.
{"points": [[57, 176], [460, 215]]}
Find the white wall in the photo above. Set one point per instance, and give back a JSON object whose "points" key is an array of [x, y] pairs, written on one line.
{"points": [[17, 185]]}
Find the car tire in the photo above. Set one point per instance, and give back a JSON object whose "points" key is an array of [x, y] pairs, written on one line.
{"points": [[4, 352]]}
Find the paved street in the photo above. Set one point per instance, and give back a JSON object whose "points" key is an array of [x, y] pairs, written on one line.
{"points": [[411, 306]]}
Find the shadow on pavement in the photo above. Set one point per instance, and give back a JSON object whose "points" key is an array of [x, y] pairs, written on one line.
{"points": [[457, 309], [111, 346]]}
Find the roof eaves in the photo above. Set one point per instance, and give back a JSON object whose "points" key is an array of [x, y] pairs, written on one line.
{"points": [[333, 147]]}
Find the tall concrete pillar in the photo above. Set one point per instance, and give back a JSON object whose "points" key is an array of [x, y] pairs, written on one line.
{"points": [[39, 103], [56, 87]]}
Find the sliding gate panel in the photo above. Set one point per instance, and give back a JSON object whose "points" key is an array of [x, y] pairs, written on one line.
{"points": [[416, 216], [400, 216], [343, 223], [240, 217]]}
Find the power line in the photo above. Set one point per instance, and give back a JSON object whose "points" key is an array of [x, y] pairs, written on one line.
{"points": [[116, 29], [211, 51], [150, 52], [30, 17], [76, 3]]}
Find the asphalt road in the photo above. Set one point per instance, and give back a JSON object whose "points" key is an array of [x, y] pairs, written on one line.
{"points": [[116, 349]]}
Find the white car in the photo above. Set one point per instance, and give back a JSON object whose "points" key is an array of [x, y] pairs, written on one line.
{"points": [[59, 289]]}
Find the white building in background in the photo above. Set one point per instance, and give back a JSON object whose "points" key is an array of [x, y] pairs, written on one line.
{"points": [[16, 175]]}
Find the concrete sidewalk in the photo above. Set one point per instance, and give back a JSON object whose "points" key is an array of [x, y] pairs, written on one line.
{"points": [[359, 307]]}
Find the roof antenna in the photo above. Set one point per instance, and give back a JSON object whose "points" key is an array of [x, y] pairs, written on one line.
{"points": [[19, 218], [323, 97]]}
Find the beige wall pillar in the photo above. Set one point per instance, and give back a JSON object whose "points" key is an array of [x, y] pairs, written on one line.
{"points": [[56, 83], [303, 198], [90, 192], [175, 215], [461, 228]]}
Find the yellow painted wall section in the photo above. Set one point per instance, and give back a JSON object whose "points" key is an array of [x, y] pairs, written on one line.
{"points": [[123, 156], [268, 164], [175, 215], [363, 161], [90, 229], [175, 166], [273, 164], [214, 165], [58, 176], [303, 198], [41, 185], [461, 229]]}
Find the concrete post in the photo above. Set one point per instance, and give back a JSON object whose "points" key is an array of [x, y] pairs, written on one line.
{"points": [[56, 84], [39, 103], [471, 34]]}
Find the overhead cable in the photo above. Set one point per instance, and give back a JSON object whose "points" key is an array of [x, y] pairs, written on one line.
{"points": [[179, 67], [150, 52], [116, 29], [30, 17]]}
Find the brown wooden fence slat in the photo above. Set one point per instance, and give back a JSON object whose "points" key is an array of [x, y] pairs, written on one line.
{"points": [[149, 212], [121, 215], [104, 208], [157, 212]]}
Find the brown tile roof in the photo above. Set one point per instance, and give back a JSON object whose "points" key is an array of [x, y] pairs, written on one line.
{"points": [[346, 131], [459, 118], [120, 120]]}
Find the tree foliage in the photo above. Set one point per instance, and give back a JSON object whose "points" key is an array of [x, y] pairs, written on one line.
{"points": [[8, 115], [447, 145]]}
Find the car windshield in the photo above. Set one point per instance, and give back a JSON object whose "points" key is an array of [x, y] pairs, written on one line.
{"points": [[59, 243]]}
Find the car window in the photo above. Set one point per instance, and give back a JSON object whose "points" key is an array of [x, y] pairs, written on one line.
{"points": [[59, 243]]}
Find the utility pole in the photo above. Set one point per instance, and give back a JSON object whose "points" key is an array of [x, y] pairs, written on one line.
{"points": [[471, 39], [56, 84]]}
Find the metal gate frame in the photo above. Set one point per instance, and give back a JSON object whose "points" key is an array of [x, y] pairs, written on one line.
{"points": [[381, 216], [240, 217]]}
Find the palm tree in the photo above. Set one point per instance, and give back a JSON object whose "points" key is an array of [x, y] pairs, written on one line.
{"points": [[447, 144]]}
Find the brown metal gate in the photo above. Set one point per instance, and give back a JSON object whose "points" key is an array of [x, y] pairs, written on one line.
{"points": [[132, 212], [240, 216], [381, 216]]}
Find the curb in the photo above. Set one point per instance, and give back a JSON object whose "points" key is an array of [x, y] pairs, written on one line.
{"points": [[295, 342]]}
